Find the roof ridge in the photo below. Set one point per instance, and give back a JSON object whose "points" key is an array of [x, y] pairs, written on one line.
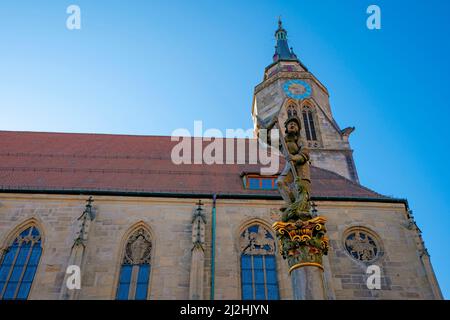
{"points": [[119, 135], [79, 133]]}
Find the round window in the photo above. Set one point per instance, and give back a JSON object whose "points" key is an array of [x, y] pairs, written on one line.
{"points": [[361, 245]]}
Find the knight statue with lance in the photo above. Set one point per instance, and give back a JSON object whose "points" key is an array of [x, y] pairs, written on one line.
{"points": [[294, 182], [300, 231]]}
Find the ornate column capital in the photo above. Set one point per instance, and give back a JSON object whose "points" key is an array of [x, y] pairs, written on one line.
{"points": [[302, 242]]}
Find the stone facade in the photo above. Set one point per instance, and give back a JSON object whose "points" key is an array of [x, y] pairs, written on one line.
{"points": [[404, 271]]}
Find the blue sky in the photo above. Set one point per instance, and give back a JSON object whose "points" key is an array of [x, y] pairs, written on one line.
{"points": [[149, 67]]}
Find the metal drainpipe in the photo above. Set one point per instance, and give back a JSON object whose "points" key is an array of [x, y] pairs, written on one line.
{"points": [[213, 246]]}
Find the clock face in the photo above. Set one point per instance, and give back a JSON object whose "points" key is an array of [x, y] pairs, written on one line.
{"points": [[297, 89]]}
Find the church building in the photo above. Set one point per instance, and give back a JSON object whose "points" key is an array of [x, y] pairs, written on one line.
{"points": [[118, 212]]}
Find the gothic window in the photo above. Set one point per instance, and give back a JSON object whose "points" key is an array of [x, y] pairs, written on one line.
{"points": [[291, 110], [18, 265], [308, 122], [258, 266], [361, 245], [135, 270]]}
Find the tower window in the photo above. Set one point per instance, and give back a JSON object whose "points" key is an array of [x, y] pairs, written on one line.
{"points": [[308, 121], [18, 265], [291, 111]]}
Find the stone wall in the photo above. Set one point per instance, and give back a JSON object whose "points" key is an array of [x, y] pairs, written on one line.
{"points": [[332, 160], [169, 221], [403, 275]]}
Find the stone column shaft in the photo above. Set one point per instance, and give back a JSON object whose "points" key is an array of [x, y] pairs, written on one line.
{"points": [[307, 283]]}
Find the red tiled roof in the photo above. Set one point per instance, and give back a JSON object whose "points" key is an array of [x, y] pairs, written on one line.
{"points": [[125, 163]]}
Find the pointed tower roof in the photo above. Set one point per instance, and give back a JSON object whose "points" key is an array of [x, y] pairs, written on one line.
{"points": [[282, 50]]}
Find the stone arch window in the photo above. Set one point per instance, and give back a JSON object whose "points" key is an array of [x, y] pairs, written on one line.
{"points": [[362, 244], [18, 264], [135, 269], [258, 264], [291, 110], [308, 123]]}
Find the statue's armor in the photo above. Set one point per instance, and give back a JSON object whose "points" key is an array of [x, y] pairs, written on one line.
{"points": [[303, 170]]}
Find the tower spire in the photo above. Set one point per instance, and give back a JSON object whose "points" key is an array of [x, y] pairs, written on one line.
{"points": [[282, 51]]}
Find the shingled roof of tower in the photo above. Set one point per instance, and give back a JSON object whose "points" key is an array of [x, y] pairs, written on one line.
{"points": [[124, 163]]}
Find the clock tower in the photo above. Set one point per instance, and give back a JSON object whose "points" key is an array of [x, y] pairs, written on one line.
{"points": [[289, 85]]}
